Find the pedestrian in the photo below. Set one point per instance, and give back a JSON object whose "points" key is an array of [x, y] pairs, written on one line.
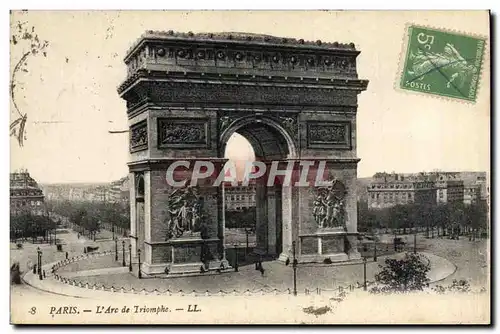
{"points": [[66, 255]]}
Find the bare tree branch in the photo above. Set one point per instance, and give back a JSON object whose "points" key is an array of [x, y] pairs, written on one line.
{"points": [[12, 80], [35, 46]]}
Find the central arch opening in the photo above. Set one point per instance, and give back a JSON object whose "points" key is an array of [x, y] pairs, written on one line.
{"points": [[254, 212]]}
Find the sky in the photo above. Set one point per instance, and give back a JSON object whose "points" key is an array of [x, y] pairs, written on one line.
{"points": [[71, 99]]}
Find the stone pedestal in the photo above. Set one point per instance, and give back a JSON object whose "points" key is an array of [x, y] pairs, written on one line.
{"points": [[328, 214], [184, 256], [323, 245], [177, 224]]}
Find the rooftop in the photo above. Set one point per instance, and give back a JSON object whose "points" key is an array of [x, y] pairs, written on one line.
{"points": [[239, 38], [22, 180]]}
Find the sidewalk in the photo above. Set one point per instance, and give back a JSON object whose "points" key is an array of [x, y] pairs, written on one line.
{"points": [[277, 276]]}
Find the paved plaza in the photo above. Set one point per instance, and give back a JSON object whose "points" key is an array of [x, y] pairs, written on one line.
{"points": [[276, 276], [449, 259]]}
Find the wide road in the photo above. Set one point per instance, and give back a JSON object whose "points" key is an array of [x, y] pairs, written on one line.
{"points": [[28, 256]]}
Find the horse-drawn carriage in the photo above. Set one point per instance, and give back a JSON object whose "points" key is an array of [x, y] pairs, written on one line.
{"points": [[399, 244], [90, 248]]}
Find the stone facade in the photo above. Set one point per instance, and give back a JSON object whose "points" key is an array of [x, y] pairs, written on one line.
{"points": [[292, 100], [450, 191], [387, 190], [394, 189], [472, 194], [239, 197], [26, 197]]}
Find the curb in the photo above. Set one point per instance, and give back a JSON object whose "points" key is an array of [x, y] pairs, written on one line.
{"points": [[114, 290], [48, 291]]}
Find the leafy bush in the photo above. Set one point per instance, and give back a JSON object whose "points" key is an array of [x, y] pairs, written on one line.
{"points": [[461, 286], [407, 274]]}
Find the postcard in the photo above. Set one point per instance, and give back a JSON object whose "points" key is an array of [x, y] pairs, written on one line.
{"points": [[250, 167]]}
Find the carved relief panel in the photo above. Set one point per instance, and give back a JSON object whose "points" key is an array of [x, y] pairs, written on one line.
{"points": [[186, 214], [329, 135], [329, 206], [139, 136], [183, 133]]}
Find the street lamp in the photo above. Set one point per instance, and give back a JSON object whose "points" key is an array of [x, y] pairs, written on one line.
{"points": [[364, 272], [415, 243], [39, 263], [294, 265], [139, 274], [116, 249], [123, 251], [235, 257], [247, 232], [55, 231], [35, 268], [48, 233], [130, 255]]}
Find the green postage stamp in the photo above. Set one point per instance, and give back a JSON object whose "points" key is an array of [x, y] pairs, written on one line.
{"points": [[442, 63]]}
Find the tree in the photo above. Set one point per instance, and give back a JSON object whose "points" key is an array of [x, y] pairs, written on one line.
{"points": [[367, 219], [91, 224], [407, 274], [400, 216], [77, 216], [30, 45], [27, 225]]}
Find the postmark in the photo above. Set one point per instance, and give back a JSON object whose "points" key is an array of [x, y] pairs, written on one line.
{"points": [[443, 63]]}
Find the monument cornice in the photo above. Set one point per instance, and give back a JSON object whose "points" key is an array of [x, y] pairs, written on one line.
{"points": [[236, 54], [205, 93], [240, 108], [247, 40], [163, 163], [304, 82]]}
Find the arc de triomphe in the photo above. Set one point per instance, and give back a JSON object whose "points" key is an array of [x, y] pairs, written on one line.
{"points": [[293, 100]]}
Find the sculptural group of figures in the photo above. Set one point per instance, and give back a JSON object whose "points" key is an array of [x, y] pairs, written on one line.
{"points": [[329, 208], [184, 209]]}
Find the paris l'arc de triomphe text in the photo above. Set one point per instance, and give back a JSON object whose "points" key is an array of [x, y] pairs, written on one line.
{"points": [[293, 100]]}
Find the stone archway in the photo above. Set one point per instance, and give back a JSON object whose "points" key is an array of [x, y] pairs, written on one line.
{"points": [[271, 142], [294, 101]]}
